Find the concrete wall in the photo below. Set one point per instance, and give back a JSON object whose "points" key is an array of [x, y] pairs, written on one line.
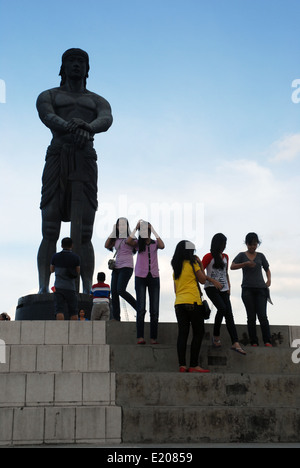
{"points": [[56, 385]]}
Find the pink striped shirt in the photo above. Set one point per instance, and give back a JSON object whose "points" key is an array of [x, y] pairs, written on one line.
{"points": [[147, 261]]}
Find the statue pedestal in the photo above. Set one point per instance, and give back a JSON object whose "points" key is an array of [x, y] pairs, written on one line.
{"points": [[41, 306]]}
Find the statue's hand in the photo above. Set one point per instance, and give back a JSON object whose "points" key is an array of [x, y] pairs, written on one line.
{"points": [[81, 137], [76, 123]]}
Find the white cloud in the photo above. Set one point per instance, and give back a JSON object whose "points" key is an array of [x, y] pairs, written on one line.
{"points": [[285, 149]]}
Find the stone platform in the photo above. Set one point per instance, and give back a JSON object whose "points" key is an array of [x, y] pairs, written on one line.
{"points": [[41, 306], [89, 383]]}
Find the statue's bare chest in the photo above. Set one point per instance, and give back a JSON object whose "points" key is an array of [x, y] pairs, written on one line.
{"points": [[68, 105]]}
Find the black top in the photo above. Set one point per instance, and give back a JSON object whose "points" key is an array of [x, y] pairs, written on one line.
{"points": [[65, 263]]}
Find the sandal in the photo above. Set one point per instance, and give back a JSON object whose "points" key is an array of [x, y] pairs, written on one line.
{"points": [[239, 350], [198, 369], [216, 343], [141, 341]]}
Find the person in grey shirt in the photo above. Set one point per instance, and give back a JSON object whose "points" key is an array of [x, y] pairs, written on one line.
{"points": [[255, 290], [66, 266]]}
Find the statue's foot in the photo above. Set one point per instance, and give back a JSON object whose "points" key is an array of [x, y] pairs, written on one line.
{"points": [[44, 290]]}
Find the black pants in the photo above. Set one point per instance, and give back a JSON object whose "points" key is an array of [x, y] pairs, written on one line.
{"points": [[119, 281], [66, 303], [221, 300], [187, 315], [255, 301]]}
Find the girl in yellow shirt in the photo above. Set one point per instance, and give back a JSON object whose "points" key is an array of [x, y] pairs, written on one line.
{"points": [[187, 267]]}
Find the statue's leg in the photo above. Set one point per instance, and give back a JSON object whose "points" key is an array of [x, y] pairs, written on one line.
{"points": [[50, 229], [87, 263]]}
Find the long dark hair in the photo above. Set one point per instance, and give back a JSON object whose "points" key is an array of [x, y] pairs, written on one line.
{"points": [[65, 55], [118, 230], [184, 251], [218, 244], [145, 228], [128, 231]]}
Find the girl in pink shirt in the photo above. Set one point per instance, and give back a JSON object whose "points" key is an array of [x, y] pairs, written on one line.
{"points": [[146, 276], [124, 266]]}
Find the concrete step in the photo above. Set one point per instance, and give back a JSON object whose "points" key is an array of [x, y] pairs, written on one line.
{"points": [[163, 358], [125, 333], [210, 390], [222, 424], [113, 332], [59, 388], [49, 332], [41, 346], [56, 358], [60, 425]]}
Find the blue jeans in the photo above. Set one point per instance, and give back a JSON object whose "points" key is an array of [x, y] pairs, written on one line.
{"points": [[153, 285], [255, 301], [119, 280]]}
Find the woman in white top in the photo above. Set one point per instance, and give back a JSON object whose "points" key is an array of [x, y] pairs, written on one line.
{"points": [[124, 266], [217, 288]]}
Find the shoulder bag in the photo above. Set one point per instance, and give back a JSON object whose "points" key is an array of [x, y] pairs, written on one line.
{"points": [[112, 261], [204, 308]]}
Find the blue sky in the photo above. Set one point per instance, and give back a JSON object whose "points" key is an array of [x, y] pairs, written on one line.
{"points": [[204, 126]]}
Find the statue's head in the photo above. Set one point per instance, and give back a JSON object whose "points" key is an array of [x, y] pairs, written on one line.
{"points": [[69, 55]]}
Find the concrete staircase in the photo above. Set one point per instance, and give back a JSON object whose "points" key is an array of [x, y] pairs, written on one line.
{"points": [[253, 398], [88, 382]]}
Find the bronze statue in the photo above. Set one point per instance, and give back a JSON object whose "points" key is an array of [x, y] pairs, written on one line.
{"points": [[69, 183]]}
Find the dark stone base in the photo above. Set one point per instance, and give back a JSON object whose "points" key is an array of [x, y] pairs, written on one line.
{"points": [[41, 307]]}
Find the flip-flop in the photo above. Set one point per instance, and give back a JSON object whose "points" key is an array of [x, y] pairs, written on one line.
{"points": [[239, 351]]}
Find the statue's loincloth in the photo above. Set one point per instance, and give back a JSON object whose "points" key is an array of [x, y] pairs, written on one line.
{"points": [[64, 164]]}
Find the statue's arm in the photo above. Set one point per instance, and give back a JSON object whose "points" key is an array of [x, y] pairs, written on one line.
{"points": [[47, 113], [104, 117], [101, 123]]}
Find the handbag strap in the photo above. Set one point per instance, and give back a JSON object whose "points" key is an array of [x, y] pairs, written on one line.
{"points": [[118, 248], [198, 286]]}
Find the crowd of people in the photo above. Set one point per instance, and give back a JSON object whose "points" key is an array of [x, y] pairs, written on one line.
{"points": [[189, 272]]}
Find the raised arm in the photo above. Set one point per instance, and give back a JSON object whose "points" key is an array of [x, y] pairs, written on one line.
{"points": [[160, 243]]}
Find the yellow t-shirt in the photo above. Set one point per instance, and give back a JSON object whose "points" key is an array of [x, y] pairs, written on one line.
{"points": [[187, 291]]}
